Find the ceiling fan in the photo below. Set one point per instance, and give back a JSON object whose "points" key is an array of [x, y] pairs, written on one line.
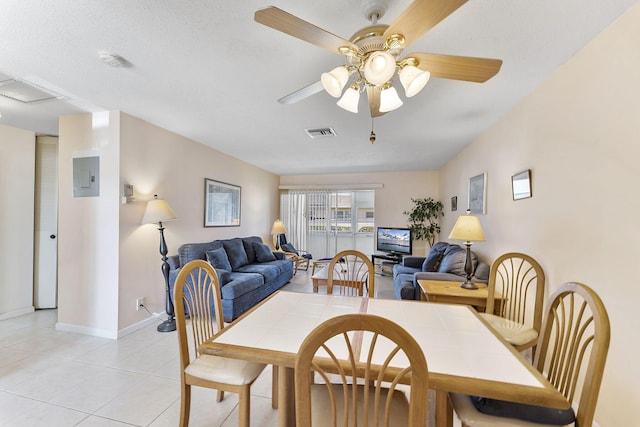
{"points": [[375, 52]]}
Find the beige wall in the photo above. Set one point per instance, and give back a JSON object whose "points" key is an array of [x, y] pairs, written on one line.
{"points": [[17, 180], [107, 258], [391, 200], [579, 133]]}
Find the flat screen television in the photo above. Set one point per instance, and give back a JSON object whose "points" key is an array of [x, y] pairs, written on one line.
{"points": [[394, 240]]}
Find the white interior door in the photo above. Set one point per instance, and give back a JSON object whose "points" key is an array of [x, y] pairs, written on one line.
{"points": [[45, 293]]}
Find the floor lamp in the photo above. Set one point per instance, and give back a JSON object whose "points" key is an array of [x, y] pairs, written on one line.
{"points": [[277, 229], [157, 211], [468, 228]]}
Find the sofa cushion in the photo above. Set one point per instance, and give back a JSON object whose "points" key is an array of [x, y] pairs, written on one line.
{"points": [[263, 252], [190, 251], [248, 243], [269, 271], [433, 260], [218, 259], [224, 276], [454, 259], [236, 253], [240, 284]]}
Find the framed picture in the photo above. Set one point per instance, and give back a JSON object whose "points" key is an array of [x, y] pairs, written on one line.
{"points": [[478, 194], [521, 185], [221, 204], [454, 203]]}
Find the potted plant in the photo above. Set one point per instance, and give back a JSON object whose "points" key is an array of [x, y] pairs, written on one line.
{"points": [[423, 219]]}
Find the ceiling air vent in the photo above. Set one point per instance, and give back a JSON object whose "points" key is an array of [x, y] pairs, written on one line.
{"points": [[27, 92], [320, 132]]}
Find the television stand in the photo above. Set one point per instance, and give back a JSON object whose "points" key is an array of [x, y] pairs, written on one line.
{"points": [[385, 259]]}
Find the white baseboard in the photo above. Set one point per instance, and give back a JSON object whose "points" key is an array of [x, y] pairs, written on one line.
{"points": [[16, 313], [103, 333]]}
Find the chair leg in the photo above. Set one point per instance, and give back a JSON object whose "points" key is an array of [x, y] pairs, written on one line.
{"points": [[274, 386], [185, 405], [244, 406], [220, 396]]}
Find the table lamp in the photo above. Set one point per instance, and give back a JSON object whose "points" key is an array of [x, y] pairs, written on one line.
{"points": [[468, 228], [157, 211], [277, 229]]}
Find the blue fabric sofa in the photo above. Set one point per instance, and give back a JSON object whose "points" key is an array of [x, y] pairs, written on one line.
{"points": [[248, 270], [445, 261]]}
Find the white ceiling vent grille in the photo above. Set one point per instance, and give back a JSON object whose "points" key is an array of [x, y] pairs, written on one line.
{"points": [[26, 92], [321, 132]]}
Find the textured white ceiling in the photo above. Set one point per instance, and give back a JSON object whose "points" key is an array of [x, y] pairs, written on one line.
{"points": [[206, 70]]}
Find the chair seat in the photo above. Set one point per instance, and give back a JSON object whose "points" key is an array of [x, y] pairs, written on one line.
{"points": [[224, 370], [470, 416], [321, 406], [513, 332]]}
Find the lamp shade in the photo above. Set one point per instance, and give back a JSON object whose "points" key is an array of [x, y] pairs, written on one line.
{"points": [[413, 79], [389, 100], [278, 227], [379, 67], [158, 210], [468, 228], [350, 99], [335, 80]]}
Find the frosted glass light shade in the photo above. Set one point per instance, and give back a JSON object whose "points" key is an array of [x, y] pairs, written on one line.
{"points": [[158, 210], [389, 100], [335, 80], [413, 79], [379, 67], [468, 228], [350, 99]]}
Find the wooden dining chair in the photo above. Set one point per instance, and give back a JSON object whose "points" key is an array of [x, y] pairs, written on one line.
{"points": [[353, 272], [197, 297], [519, 280], [360, 361], [571, 354]]}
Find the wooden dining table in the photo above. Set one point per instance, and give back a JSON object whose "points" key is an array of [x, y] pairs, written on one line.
{"points": [[463, 354]]}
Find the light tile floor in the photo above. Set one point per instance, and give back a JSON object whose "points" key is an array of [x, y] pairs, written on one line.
{"points": [[53, 378]]}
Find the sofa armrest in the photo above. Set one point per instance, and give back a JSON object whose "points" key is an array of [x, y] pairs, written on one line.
{"points": [[413, 261], [280, 254], [174, 262]]}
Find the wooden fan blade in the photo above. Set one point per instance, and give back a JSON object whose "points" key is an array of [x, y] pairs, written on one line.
{"points": [[373, 93], [420, 17], [301, 94], [287, 23], [465, 68]]}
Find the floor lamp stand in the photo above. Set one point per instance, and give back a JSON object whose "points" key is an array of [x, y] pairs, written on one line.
{"points": [[169, 324]]}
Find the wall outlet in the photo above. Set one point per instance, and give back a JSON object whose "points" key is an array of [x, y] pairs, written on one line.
{"points": [[139, 303]]}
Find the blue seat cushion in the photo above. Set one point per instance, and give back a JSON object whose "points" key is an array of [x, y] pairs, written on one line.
{"points": [[240, 284], [522, 411], [288, 247], [267, 270]]}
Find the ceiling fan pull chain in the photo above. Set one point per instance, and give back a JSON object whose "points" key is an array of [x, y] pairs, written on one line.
{"points": [[372, 137]]}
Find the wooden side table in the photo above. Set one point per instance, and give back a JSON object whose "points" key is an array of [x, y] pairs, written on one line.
{"points": [[452, 293]]}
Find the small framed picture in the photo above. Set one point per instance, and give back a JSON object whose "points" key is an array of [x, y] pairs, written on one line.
{"points": [[454, 203], [478, 194], [521, 185]]}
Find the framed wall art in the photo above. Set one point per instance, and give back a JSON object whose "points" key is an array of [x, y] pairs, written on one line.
{"points": [[478, 194], [521, 185], [221, 204]]}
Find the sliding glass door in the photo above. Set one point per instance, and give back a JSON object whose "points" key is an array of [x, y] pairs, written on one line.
{"points": [[325, 222]]}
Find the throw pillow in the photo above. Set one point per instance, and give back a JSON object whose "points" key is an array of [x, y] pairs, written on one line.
{"points": [[522, 411], [263, 252], [218, 259], [432, 261], [288, 247], [454, 259], [236, 253]]}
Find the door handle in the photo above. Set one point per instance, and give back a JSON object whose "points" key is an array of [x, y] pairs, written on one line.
{"points": [[53, 236]]}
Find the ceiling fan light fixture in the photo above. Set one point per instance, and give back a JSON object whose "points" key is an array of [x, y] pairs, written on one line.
{"points": [[389, 100], [413, 79], [350, 99], [335, 80], [379, 67]]}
